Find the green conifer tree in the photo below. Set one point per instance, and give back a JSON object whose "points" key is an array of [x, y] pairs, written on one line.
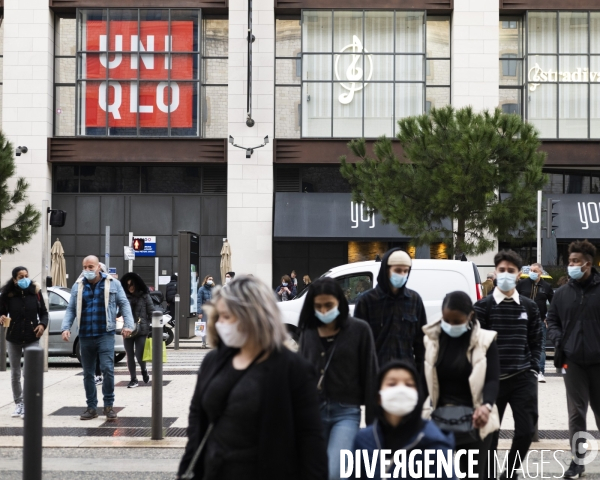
{"points": [[23, 223], [466, 179]]}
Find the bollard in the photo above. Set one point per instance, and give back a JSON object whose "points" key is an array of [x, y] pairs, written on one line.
{"points": [[33, 398], [157, 375], [177, 322], [3, 348]]}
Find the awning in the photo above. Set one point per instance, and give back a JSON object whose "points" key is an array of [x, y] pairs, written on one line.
{"points": [[331, 216]]}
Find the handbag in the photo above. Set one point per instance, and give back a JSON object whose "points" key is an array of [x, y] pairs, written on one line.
{"points": [[147, 357], [457, 419], [138, 329]]}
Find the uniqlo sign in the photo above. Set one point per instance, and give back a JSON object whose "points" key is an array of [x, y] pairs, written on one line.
{"points": [[152, 96]]}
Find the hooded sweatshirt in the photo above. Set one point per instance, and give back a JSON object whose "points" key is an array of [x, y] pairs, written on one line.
{"points": [[395, 320]]}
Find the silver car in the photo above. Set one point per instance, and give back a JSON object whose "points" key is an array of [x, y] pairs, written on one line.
{"points": [[58, 301]]}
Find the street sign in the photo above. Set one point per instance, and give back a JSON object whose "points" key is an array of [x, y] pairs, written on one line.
{"points": [[149, 247], [112, 270], [128, 253]]}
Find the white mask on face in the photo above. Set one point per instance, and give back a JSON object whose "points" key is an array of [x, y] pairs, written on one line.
{"points": [[231, 335], [399, 400], [227, 280]]}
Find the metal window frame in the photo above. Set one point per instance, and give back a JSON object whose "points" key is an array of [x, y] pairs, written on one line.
{"points": [[394, 53], [558, 56], [197, 80], [520, 59]]}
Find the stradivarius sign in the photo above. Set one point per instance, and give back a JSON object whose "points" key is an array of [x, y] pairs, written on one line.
{"points": [[537, 76]]}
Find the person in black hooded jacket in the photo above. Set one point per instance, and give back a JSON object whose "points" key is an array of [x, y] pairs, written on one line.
{"points": [[170, 294], [22, 300], [394, 312], [141, 307]]}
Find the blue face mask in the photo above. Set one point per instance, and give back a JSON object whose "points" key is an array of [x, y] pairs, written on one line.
{"points": [[89, 275], [506, 281], [284, 284], [454, 330], [329, 316], [397, 280], [534, 276], [575, 272], [24, 283]]}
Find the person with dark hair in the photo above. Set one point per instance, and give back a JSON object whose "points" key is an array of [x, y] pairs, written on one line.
{"points": [[25, 317], [574, 329], [286, 290], [142, 307], [204, 296], [398, 424], [229, 276], [342, 351], [541, 293], [394, 312], [170, 294], [462, 372], [516, 319]]}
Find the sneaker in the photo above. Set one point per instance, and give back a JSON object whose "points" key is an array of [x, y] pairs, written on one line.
{"points": [[574, 470], [23, 411], [19, 409], [110, 413], [541, 378], [145, 376], [132, 384], [89, 414], [98, 379]]}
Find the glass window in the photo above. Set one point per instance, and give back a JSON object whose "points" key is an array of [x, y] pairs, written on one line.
{"points": [[364, 70], [150, 72], [171, 179], [108, 179], [510, 100], [354, 285], [573, 32], [66, 179], [56, 303], [542, 32]]}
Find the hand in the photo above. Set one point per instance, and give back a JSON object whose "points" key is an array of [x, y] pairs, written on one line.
{"points": [[126, 332], [66, 335], [280, 292], [2, 319], [481, 416], [39, 331]]}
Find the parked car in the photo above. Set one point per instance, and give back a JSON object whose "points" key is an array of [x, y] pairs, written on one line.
{"points": [[432, 279], [58, 301]]}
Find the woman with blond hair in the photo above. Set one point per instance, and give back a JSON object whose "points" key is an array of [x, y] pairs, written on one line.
{"points": [[255, 412]]}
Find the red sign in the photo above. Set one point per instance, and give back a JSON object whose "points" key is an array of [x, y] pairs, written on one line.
{"points": [[153, 69]]}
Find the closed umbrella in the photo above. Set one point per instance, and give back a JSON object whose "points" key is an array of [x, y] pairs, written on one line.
{"points": [[225, 260], [58, 272]]}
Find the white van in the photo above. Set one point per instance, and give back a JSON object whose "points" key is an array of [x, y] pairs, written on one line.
{"points": [[432, 279]]}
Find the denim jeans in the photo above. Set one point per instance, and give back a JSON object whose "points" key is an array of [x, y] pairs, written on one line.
{"points": [[341, 423], [543, 357], [101, 347], [14, 355]]}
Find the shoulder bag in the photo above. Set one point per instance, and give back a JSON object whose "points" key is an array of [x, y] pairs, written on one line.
{"points": [[457, 419]]}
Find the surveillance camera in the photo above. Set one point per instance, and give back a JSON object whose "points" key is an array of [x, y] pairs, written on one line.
{"points": [[249, 152], [230, 139], [266, 139], [20, 150], [249, 122]]}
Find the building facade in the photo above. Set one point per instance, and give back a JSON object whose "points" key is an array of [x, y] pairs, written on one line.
{"points": [[132, 113]]}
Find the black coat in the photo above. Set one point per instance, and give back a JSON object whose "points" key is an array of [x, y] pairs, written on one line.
{"points": [[27, 310], [544, 294], [291, 444], [170, 296], [572, 303]]}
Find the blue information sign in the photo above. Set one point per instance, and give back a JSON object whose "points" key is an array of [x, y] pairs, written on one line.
{"points": [[149, 247]]}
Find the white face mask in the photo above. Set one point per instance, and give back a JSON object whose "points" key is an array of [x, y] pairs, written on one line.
{"points": [[209, 282], [227, 280], [231, 335], [399, 400]]}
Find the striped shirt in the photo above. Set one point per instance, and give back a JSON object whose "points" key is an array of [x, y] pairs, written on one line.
{"points": [[519, 331]]}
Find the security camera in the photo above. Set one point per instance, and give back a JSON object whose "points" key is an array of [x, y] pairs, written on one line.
{"points": [[249, 122], [230, 139], [20, 150], [249, 152], [266, 140]]}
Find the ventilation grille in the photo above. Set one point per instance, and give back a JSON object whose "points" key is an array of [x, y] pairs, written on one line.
{"points": [[214, 180], [288, 180]]}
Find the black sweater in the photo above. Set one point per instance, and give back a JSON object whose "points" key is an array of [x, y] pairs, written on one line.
{"points": [[351, 377], [290, 443], [27, 310]]}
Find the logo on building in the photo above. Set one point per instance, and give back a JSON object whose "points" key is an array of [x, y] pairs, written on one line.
{"points": [[357, 214], [354, 73], [537, 76]]}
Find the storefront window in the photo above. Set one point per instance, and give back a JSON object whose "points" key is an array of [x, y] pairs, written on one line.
{"points": [[563, 74], [347, 74], [146, 72], [511, 65], [559, 183]]}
